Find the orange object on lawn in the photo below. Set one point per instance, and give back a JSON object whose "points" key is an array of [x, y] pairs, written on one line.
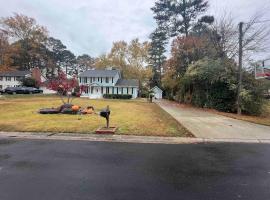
{"points": [[75, 108]]}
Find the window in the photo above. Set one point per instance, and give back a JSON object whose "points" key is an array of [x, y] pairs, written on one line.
{"points": [[80, 79], [122, 90], [101, 89], [132, 91], [107, 80], [127, 90], [94, 79], [1, 87], [1, 78], [85, 80], [8, 78], [17, 78], [116, 90], [92, 90], [98, 79], [112, 80], [107, 90], [101, 79]]}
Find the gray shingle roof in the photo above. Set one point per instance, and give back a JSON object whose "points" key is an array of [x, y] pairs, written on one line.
{"points": [[130, 82], [15, 73], [99, 73]]}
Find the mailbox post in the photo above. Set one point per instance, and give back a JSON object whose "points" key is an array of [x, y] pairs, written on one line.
{"points": [[108, 129], [106, 114]]}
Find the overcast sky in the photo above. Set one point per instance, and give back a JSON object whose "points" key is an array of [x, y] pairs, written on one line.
{"points": [[90, 26]]}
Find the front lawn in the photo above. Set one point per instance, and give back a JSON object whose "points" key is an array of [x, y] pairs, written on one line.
{"points": [[133, 117]]}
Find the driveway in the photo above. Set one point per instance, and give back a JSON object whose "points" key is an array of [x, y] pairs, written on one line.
{"points": [[209, 125], [54, 170]]}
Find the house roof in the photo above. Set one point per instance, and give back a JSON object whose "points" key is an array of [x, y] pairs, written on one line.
{"points": [[99, 73], [125, 82], [156, 87], [15, 73]]}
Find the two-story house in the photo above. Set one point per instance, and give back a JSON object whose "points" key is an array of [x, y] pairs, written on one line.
{"points": [[12, 78], [100, 82]]}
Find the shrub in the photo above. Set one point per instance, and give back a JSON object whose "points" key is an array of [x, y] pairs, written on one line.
{"points": [[252, 102], [117, 96], [29, 82]]}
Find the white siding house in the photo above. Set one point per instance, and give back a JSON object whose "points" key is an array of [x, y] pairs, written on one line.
{"points": [[100, 82], [157, 92], [12, 79]]}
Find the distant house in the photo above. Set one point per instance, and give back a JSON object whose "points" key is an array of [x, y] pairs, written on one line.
{"points": [[100, 82], [157, 92], [12, 78]]}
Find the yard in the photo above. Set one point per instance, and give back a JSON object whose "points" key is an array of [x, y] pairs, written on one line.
{"points": [[133, 117]]}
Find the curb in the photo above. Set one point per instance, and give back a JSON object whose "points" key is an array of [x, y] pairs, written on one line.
{"points": [[124, 138]]}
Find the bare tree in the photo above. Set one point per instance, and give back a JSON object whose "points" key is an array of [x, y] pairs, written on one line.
{"points": [[256, 35], [227, 40]]}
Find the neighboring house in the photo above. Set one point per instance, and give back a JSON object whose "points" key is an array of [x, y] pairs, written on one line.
{"points": [[157, 92], [100, 82], [38, 76], [12, 78]]}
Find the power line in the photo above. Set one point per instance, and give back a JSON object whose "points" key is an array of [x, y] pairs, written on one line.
{"points": [[263, 21], [257, 22]]}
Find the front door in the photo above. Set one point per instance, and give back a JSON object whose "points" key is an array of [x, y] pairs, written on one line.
{"points": [[96, 92]]}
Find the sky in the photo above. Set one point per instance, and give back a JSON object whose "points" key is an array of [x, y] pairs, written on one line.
{"points": [[91, 26]]}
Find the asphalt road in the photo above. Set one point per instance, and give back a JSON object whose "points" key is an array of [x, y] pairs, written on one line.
{"points": [[56, 170]]}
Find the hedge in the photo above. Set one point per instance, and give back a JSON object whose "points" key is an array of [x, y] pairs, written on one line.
{"points": [[117, 96]]}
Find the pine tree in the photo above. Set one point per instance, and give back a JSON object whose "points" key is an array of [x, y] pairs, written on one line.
{"points": [[156, 53], [179, 16]]}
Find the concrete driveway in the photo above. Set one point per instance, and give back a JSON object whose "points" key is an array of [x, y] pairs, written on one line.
{"points": [[209, 125]]}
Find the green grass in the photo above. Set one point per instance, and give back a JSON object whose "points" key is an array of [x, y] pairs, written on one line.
{"points": [[133, 117]]}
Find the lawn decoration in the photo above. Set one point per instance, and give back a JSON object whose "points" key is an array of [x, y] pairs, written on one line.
{"points": [[77, 110], [64, 109]]}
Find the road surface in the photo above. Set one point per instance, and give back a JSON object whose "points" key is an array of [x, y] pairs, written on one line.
{"points": [[43, 169]]}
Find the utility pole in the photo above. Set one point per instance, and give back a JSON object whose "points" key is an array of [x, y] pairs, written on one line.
{"points": [[240, 63]]}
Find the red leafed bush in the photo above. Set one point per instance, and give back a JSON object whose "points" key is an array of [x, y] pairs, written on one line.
{"points": [[65, 86]]}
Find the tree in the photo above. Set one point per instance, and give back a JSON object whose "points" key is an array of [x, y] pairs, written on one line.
{"points": [[29, 39], [130, 58], [59, 58], [4, 50], [156, 55], [21, 27], [179, 16], [68, 62], [30, 82], [85, 62], [64, 86]]}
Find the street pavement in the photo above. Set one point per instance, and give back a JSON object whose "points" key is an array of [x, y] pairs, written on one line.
{"points": [[54, 170], [204, 124]]}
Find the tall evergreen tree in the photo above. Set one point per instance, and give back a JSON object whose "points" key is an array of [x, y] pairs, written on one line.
{"points": [[156, 54], [179, 16]]}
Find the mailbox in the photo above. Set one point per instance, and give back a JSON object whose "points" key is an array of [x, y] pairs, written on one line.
{"points": [[106, 114]]}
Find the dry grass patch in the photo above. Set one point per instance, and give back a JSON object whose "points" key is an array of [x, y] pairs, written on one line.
{"points": [[133, 117]]}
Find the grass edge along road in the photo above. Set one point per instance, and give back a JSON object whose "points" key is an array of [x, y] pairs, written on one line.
{"points": [[133, 117]]}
